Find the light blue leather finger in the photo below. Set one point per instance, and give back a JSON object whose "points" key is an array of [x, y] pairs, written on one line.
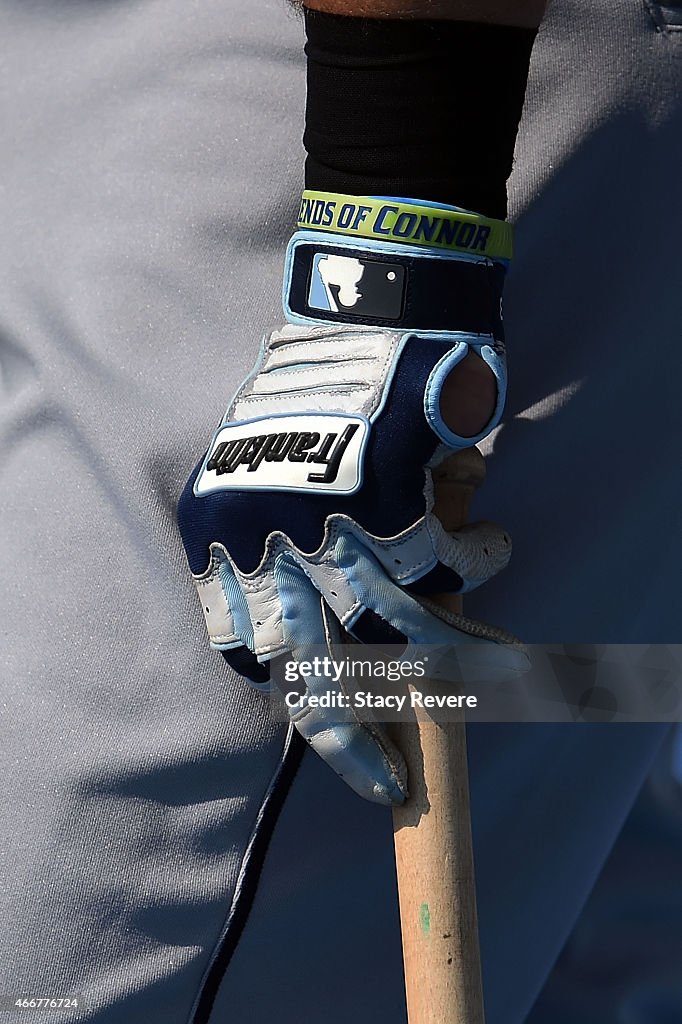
{"points": [[374, 590], [456, 653], [237, 602], [364, 760]]}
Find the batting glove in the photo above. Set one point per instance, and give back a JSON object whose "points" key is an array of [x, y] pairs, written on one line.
{"points": [[312, 508]]}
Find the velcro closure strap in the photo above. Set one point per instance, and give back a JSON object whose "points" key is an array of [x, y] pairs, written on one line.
{"points": [[333, 280], [409, 223]]}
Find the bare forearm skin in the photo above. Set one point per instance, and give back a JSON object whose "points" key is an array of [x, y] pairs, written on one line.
{"points": [[524, 13]]}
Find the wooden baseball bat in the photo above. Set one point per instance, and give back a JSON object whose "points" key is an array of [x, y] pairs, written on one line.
{"points": [[432, 830]]}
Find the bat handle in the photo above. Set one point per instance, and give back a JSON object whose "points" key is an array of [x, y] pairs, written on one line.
{"points": [[432, 831]]}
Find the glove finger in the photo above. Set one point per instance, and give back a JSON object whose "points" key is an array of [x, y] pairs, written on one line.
{"points": [[427, 559], [219, 592], [376, 611], [358, 751], [340, 598], [260, 594], [431, 560], [409, 558], [474, 553], [384, 607], [216, 607], [237, 603]]}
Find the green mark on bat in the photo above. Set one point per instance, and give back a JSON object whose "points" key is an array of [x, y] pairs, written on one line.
{"points": [[425, 919]]}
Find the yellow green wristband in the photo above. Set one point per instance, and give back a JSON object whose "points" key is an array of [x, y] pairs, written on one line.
{"points": [[407, 223]]}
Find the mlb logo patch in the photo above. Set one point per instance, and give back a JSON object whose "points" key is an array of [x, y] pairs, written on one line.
{"points": [[360, 288]]}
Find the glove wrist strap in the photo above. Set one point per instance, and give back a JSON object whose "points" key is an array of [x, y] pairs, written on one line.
{"points": [[332, 279]]}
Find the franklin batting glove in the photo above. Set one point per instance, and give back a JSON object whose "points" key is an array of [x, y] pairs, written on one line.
{"points": [[312, 508]]}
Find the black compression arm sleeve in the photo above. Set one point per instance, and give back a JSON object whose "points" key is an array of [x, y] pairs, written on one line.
{"points": [[420, 109]]}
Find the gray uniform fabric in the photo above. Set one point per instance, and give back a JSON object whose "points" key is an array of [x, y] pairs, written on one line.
{"points": [[149, 172]]}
